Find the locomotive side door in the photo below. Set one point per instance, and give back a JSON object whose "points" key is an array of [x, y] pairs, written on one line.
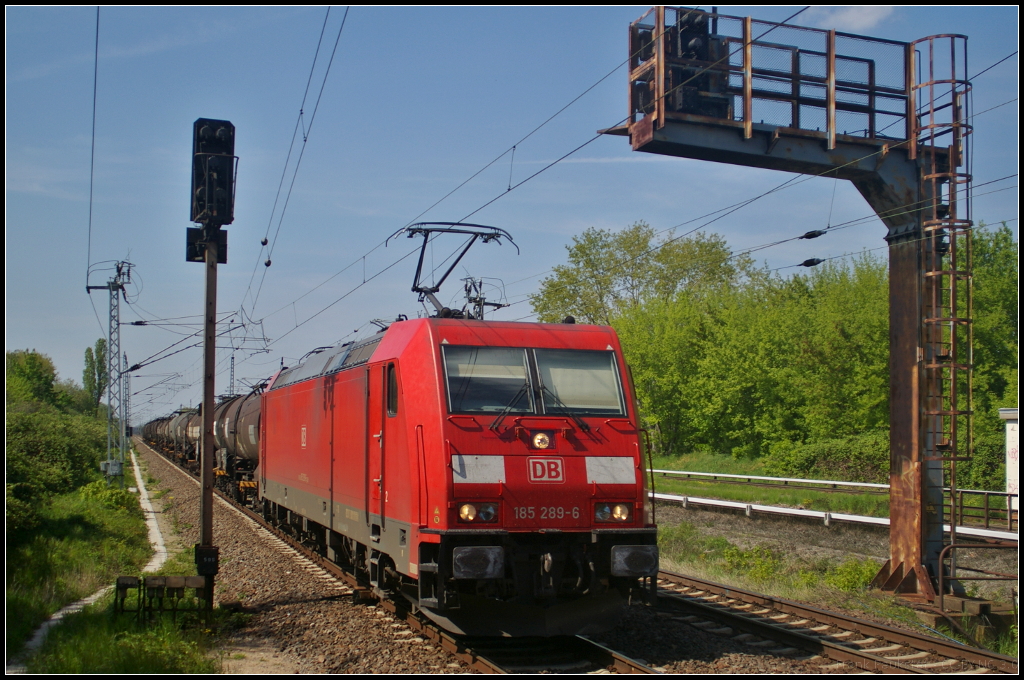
{"points": [[375, 443]]}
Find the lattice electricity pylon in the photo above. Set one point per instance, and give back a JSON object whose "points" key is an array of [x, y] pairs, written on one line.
{"points": [[113, 467]]}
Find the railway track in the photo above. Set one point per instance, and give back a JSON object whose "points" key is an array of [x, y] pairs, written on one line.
{"points": [[486, 655], [835, 641], [768, 624]]}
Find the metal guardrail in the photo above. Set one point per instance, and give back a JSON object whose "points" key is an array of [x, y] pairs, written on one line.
{"points": [[826, 517], [825, 482], [783, 480], [963, 510]]}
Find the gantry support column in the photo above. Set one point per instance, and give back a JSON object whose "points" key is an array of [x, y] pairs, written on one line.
{"points": [[890, 179]]}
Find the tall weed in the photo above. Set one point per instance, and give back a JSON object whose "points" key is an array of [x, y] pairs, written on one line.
{"points": [[84, 539], [99, 641]]}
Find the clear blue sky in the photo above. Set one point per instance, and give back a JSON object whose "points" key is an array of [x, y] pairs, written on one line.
{"points": [[417, 100]]}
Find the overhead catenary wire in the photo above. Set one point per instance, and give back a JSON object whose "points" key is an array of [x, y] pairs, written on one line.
{"points": [[305, 138], [512, 148], [548, 166], [817, 261], [92, 152], [363, 258], [792, 182], [604, 132], [869, 250], [855, 222]]}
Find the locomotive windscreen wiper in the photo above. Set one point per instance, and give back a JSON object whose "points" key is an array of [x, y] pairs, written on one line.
{"points": [[564, 410], [509, 406]]}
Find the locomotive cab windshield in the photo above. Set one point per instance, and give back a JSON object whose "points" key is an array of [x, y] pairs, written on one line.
{"points": [[527, 381]]}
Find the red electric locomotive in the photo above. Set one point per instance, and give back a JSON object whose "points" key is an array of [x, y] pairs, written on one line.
{"points": [[491, 472]]}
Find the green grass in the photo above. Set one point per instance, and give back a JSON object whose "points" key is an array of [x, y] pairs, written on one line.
{"points": [[686, 549], [842, 583], [872, 505], [710, 462], [98, 640], [86, 538]]}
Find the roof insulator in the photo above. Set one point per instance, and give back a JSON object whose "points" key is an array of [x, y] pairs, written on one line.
{"points": [[814, 234]]}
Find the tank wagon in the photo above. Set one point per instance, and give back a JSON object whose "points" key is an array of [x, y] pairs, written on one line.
{"points": [[489, 472]]}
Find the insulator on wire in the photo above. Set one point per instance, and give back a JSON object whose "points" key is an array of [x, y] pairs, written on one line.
{"points": [[811, 262], [814, 234], [267, 263], [263, 242]]}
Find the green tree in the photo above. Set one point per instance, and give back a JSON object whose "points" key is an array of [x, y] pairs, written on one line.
{"points": [[95, 376], [30, 378], [48, 451], [610, 273], [996, 325]]}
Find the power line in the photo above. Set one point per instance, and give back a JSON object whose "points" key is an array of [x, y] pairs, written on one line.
{"points": [[604, 132], [436, 203], [861, 220], [302, 150], [564, 156], [530, 134], [92, 152], [1011, 54], [869, 250]]}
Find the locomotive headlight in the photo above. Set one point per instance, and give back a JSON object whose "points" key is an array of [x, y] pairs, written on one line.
{"points": [[478, 512], [488, 512], [613, 512], [541, 440]]}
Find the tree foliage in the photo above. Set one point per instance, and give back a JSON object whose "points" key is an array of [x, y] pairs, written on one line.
{"points": [[53, 437], [30, 377], [728, 358], [96, 376], [610, 273], [996, 325]]}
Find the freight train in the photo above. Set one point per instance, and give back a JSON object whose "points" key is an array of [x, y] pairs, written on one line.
{"points": [[491, 473]]}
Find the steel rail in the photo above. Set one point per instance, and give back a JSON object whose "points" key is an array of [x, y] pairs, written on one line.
{"points": [[863, 658], [486, 655]]}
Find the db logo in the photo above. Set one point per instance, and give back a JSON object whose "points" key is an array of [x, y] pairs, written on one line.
{"points": [[546, 470]]}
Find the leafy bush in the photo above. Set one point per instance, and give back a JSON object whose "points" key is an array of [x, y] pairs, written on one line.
{"points": [[987, 469], [112, 497], [80, 544], [861, 458], [48, 453], [759, 563], [851, 575], [99, 641]]}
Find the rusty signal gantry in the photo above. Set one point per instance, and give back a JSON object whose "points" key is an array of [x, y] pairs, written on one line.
{"points": [[890, 117]]}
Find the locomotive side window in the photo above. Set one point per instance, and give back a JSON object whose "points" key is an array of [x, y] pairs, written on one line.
{"points": [[392, 390], [487, 380], [579, 381]]}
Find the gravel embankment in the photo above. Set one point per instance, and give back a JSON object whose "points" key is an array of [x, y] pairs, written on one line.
{"points": [[677, 647], [300, 619]]}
